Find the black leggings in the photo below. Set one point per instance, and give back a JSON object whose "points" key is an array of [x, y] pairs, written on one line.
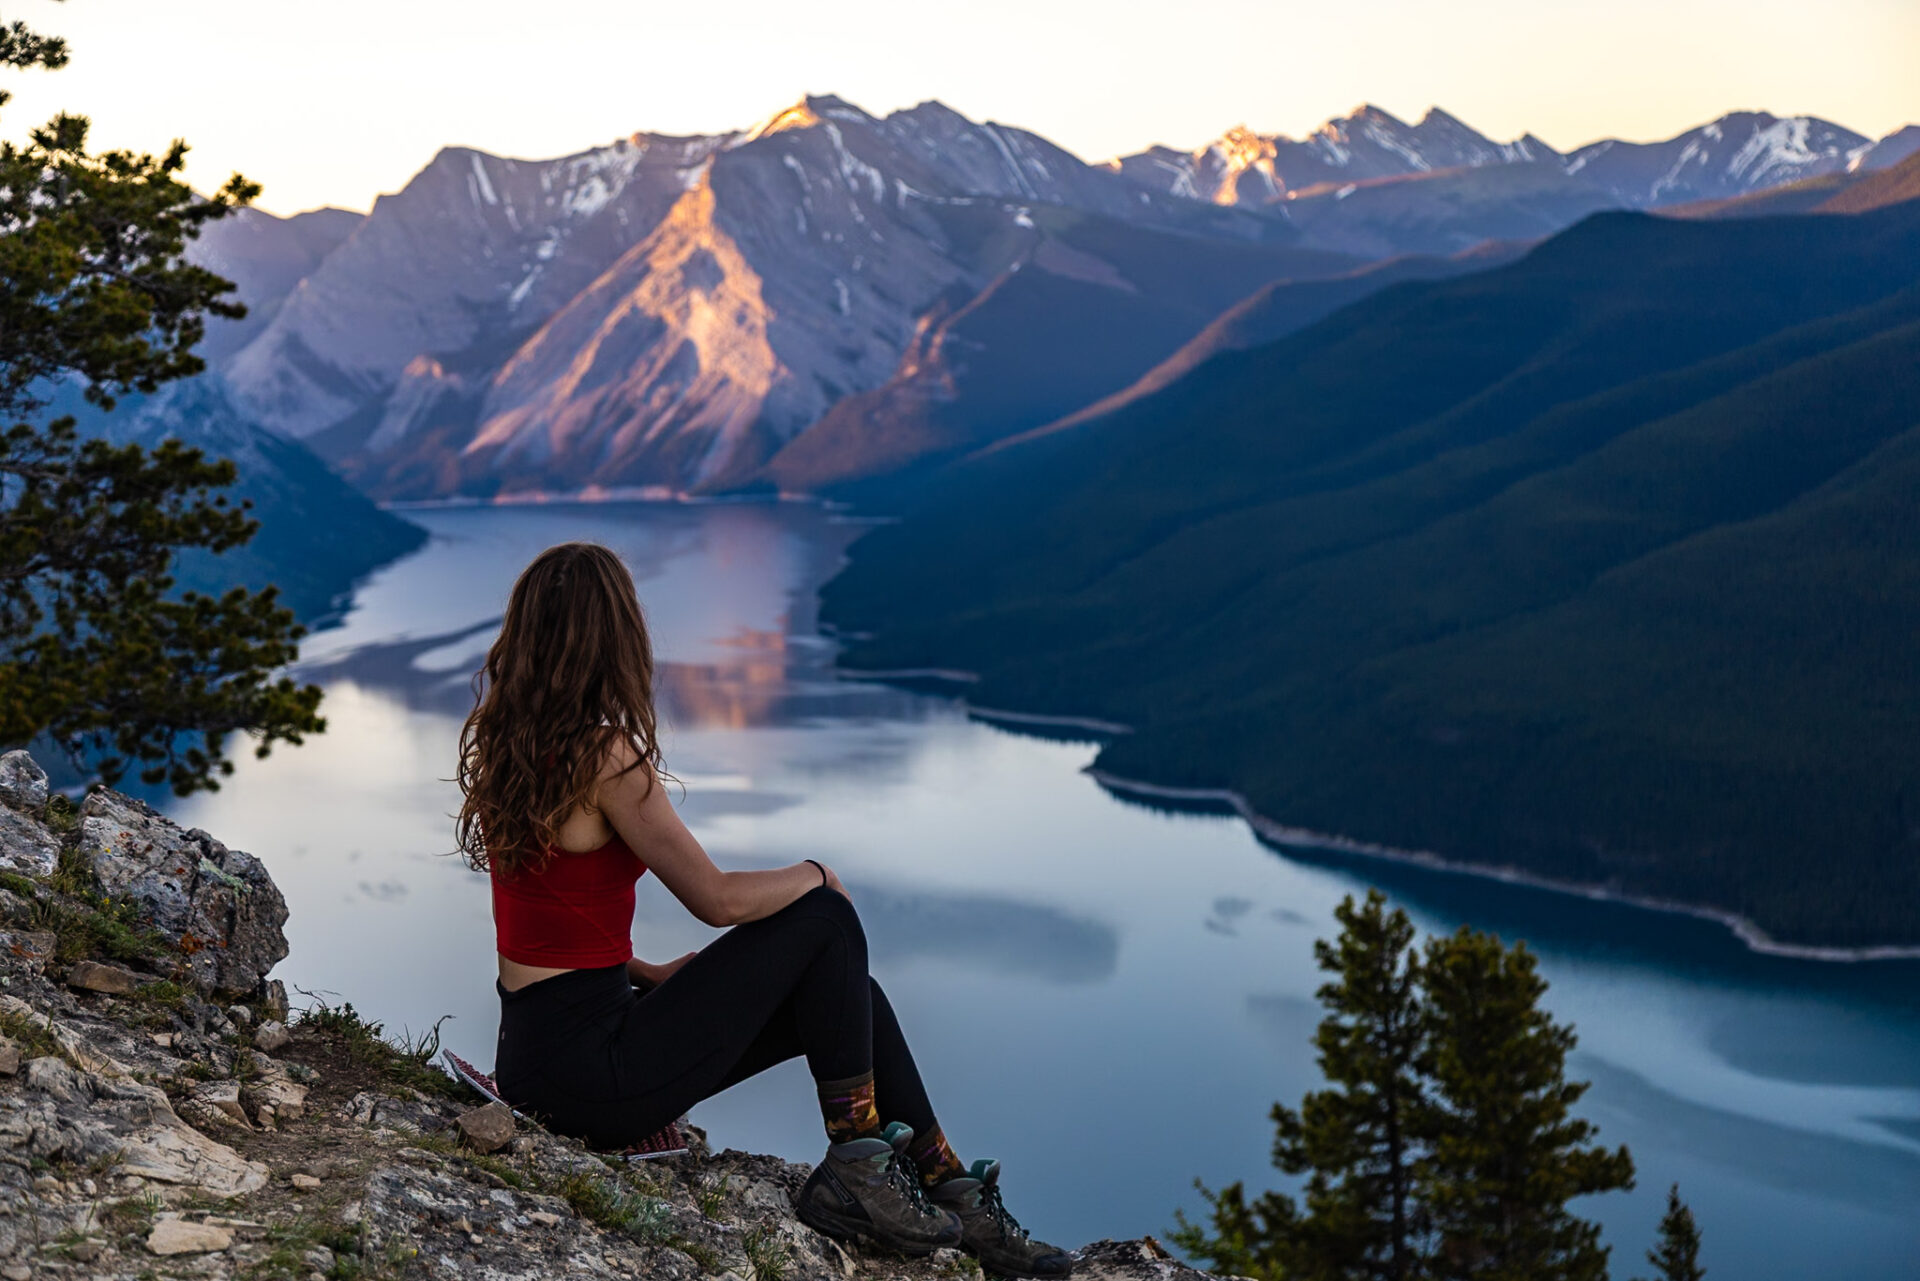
{"points": [[589, 1056]]}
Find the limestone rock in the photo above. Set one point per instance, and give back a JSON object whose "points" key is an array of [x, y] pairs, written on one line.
{"points": [[93, 976], [31, 948], [218, 904], [9, 1056], [304, 1182], [179, 1236], [271, 1037], [26, 845], [486, 1129], [277, 1094], [23, 784], [222, 1097]]}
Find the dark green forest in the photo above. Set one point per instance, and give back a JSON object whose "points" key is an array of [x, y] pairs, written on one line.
{"points": [[1602, 565]]}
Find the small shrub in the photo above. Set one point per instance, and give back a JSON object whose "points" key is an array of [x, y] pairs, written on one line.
{"points": [[618, 1209]]}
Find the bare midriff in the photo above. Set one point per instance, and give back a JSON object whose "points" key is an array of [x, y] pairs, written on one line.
{"points": [[583, 830]]}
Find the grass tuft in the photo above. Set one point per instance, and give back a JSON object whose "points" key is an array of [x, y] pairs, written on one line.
{"points": [[401, 1059], [768, 1257]]}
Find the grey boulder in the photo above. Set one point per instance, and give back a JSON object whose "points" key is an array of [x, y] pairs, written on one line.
{"points": [[218, 905]]}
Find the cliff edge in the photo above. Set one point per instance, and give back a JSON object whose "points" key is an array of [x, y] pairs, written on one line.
{"points": [[163, 1113]]}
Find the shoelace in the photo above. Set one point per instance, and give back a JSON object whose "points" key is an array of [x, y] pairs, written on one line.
{"points": [[1002, 1217], [909, 1183]]}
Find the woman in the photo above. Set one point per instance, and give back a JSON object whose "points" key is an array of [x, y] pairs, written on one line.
{"points": [[564, 808]]}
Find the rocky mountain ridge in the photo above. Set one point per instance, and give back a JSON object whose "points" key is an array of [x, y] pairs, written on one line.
{"points": [[163, 1113], [671, 314], [1740, 152]]}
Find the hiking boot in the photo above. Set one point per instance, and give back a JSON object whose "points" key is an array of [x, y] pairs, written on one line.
{"points": [[864, 1189], [989, 1233]]}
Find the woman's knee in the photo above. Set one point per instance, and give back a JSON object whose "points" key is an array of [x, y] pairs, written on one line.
{"points": [[824, 912], [837, 910]]}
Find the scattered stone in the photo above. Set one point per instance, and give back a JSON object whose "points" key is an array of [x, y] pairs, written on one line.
{"points": [[304, 1182], [487, 1128], [271, 1037], [276, 1094], [163, 1039], [23, 784], [223, 1097], [94, 976], [9, 1056], [17, 1272], [240, 1014], [178, 1236]]}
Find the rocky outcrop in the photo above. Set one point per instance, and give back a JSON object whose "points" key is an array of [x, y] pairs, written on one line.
{"points": [[212, 915], [217, 905], [148, 1133]]}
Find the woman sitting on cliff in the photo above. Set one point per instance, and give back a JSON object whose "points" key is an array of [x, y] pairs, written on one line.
{"points": [[564, 808]]}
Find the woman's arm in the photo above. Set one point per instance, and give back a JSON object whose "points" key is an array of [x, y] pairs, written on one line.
{"points": [[636, 806]]}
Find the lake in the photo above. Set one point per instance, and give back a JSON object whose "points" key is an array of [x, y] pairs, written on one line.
{"points": [[1105, 996]]}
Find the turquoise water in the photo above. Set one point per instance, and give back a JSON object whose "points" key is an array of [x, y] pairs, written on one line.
{"points": [[1107, 997]]}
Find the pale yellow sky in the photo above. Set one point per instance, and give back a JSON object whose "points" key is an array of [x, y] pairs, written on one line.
{"points": [[334, 103]]}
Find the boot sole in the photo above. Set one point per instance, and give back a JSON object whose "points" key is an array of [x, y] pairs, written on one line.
{"points": [[845, 1228]]}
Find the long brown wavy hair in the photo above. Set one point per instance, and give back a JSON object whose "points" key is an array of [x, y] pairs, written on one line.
{"points": [[570, 675]]}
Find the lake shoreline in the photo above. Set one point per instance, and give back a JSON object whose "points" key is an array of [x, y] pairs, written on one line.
{"points": [[1281, 836]]}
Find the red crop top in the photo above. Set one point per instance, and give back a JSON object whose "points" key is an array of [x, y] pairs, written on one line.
{"points": [[574, 913]]}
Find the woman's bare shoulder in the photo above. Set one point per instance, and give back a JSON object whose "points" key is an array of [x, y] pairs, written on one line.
{"points": [[624, 766]]}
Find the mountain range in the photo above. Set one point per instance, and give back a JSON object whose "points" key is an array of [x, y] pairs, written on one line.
{"points": [[831, 298], [1598, 566]]}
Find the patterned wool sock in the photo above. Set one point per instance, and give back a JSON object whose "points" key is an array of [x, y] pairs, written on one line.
{"points": [[932, 1156], [847, 1107]]}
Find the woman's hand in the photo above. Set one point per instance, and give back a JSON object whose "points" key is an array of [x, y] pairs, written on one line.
{"points": [[636, 805], [646, 974]]}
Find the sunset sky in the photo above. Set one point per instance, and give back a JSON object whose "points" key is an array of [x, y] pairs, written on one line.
{"points": [[334, 103]]}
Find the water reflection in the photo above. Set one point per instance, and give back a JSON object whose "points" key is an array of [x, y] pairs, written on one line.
{"points": [[1131, 955]]}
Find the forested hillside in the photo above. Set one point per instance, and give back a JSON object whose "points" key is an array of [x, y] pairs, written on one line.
{"points": [[1601, 565]]}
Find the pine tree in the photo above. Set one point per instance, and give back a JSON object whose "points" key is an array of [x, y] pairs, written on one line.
{"points": [[1357, 1140], [1241, 1238], [1676, 1254], [97, 652], [1507, 1152]]}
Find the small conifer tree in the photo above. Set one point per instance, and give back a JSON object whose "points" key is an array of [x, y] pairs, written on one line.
{"points": [[1444, 1145], [1507, 1151], [1676, 1253]]}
